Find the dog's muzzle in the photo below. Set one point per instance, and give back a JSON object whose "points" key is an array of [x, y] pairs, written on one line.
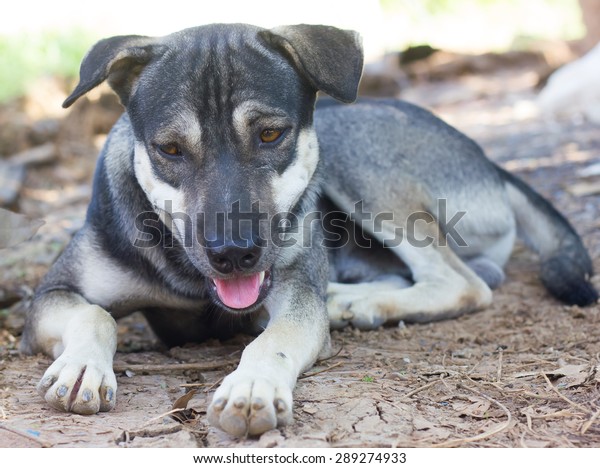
{"points": [[239, 287]]}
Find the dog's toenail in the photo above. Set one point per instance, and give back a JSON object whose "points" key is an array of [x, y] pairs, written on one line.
{"points": [[109, 394], [87, 395], [47, 381], [280, 405], [62, 391], [219, 404], [240, 403], [258, 404]]}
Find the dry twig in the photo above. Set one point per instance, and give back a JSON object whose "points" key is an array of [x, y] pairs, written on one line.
{"points": [[337, 353], [312, 374], [420, 389], [562, 397], [37, 440], [500, 355], [157, 368], [218, 382], [586, 425]]}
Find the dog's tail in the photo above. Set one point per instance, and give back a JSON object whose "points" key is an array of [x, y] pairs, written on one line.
{"points": [[566, 266]]}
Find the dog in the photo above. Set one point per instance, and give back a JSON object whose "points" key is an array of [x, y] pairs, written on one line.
{"points": [[224, 202]]}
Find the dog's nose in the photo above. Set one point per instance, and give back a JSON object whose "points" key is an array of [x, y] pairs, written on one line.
{"points": [[231, 258]]}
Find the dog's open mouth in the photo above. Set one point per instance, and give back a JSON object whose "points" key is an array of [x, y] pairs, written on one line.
{"points": [[242, 291]]}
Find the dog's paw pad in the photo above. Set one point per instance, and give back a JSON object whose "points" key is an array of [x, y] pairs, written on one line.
{"points": [[249, 406], [77, 387]]}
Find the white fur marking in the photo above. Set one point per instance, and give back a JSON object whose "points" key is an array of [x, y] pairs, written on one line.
{"points": [[289, 186], [159, 192], [104, 281]]}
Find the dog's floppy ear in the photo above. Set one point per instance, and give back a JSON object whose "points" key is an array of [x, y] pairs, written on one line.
{"points": [[119, 59], [330, 58]]}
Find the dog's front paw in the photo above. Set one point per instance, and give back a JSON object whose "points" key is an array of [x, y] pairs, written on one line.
{"points": [[249, 404], [80, 386]]}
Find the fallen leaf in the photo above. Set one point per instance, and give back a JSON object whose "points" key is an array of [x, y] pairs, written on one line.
{"points": [[184, 414], [182, 402], [573, 375], [477, 408]]}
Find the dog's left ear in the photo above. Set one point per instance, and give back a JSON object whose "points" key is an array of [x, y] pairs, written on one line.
{"points": [[330, 58]]}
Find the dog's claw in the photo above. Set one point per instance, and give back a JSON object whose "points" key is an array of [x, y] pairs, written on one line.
{"points": [[219, 404], [258, 404], [108, 402], [45, 384], [280, 405], [87, 395], [109, 394], [240, 403]]}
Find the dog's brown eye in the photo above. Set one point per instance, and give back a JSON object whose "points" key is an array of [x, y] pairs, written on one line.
{"points": [[169, 150], [269, 135]]}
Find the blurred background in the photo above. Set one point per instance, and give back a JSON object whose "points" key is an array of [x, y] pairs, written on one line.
{"points": [[40, 39]]}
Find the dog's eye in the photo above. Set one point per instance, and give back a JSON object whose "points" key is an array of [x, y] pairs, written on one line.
{"points": [[270, 135], [170, 150]]}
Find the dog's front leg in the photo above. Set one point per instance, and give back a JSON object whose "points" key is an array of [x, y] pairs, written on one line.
{"points": [[257, 396], [82, 338]]}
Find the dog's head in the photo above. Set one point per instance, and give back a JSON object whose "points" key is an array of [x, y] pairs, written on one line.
{"points": [[224, 143]]}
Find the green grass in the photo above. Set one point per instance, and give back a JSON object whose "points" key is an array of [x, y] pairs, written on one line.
{"points": [[27, 57]]}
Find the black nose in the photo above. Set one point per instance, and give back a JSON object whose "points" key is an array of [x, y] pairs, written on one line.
{"points": [[231, 258]]}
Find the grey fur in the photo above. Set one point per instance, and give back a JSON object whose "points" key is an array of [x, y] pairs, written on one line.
{"points": [[196, 103]]}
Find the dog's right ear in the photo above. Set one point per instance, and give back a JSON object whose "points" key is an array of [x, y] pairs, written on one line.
{"points": [[119, 59]]}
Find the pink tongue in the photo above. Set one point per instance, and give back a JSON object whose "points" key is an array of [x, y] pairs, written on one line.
{"points": [[240, 292]]}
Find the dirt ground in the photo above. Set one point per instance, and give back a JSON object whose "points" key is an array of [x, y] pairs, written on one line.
{"points": [[522, 373]]}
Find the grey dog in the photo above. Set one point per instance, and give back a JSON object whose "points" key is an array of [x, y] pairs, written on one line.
{"points": [[223, 201]]}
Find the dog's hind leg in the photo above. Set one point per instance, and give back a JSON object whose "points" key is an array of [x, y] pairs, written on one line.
{"points": [[443, 287], [488, 270]]}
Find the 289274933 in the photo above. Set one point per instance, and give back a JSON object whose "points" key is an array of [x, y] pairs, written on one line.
{"points": [[370, 457]]}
